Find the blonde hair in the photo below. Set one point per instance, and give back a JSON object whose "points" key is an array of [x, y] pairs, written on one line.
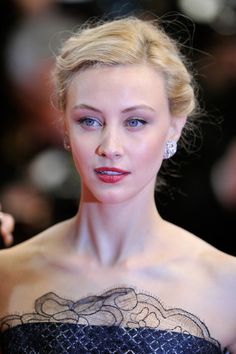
{"points": [[127, 41]]}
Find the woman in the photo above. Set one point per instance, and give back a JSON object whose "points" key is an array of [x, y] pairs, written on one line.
{"points": [[117, 278]]}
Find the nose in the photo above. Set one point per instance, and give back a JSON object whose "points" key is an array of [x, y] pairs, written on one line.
{"points": [[110, 145]]}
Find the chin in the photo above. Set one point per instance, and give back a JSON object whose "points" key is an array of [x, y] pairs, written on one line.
{"points": [[112, 197], [108, 195]]}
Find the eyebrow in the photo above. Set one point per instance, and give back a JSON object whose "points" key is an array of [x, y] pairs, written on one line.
{"points": [[129, 109]]}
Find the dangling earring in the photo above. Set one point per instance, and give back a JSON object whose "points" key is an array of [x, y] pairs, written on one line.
{"points": [[66, 143], [170, 149]]}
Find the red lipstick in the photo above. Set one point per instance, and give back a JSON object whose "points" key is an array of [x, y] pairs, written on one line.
{"points": [[110, 174]]}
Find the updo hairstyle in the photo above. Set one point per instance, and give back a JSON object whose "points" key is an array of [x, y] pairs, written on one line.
{"points": [[126, 41]]}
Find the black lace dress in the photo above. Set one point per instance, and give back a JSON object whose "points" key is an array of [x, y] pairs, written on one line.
{"points": [[120, 321]]}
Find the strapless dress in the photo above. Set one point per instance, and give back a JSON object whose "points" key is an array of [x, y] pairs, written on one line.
{"points": [[119, 321]]}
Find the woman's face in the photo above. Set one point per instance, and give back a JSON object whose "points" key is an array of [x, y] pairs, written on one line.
{"points": [[118, 121]]}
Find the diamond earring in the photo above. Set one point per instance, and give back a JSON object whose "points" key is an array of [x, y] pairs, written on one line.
{"points": [[170, 149]]}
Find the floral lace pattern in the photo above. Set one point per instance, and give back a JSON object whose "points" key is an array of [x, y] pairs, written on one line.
{"points": [[122, 308]]}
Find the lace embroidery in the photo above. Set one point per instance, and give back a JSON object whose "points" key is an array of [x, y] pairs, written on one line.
{"points": [[122, 307]]}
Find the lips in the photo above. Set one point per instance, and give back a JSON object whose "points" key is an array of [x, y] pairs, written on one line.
{"points": [[110, 174], [112, 171]]}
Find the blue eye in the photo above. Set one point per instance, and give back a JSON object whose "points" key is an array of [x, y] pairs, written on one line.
{"points": [[135, 122], [90, 122]]}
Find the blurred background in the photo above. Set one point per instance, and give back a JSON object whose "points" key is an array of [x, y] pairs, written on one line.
{"points": [[38, 183]]}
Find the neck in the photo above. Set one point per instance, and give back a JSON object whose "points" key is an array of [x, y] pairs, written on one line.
{"points": [[112, 233]]}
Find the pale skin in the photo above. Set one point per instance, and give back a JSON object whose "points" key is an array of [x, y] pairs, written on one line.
{"points": [[119, 117]]}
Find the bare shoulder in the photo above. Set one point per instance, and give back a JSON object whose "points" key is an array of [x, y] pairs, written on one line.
{"points": [[200, 250], [212, 267], [217, 265], [24, 268], [211, 274], [26, 254], [46, 236], [222, 269]]}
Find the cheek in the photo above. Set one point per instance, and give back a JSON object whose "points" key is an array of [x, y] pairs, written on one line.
{"points": [[151, 152], [81, 153]]}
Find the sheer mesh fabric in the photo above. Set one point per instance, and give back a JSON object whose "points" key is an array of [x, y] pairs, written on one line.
{"points": [[118, 321]]}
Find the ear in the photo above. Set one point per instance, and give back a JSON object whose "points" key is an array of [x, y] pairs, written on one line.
{"points": [[175, 129]]}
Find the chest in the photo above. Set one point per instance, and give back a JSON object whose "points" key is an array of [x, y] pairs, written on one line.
{"points": [[157, 300]]}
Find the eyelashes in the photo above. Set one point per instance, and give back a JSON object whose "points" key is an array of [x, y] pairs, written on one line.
{"points": [[135, 122], [89, 122], [94, 123]]}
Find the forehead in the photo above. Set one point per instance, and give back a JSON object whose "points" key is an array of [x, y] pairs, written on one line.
{"points": [[120, 83]]}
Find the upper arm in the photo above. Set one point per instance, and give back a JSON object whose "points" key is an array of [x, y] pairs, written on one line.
{"points": [[229, 302]]}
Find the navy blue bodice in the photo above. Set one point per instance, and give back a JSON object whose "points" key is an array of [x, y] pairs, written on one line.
{"points": [[60, 338]]}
